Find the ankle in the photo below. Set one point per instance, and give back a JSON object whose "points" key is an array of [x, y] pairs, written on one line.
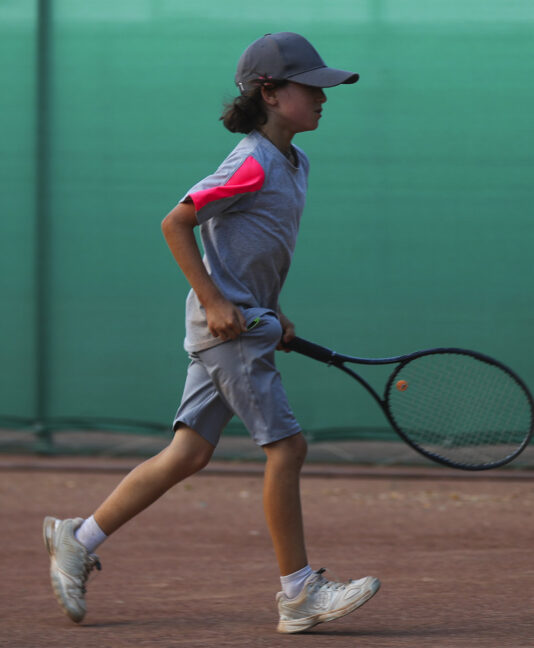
{"points": [[293, 584], [90, 535]]}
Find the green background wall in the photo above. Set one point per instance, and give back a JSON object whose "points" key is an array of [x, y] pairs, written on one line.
{"points": [[418, 229]]}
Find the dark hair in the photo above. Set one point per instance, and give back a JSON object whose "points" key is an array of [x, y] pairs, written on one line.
{"points": [[247, 112]]}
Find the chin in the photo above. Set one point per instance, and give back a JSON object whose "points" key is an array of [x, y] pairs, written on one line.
{"points": [[311, 127]]}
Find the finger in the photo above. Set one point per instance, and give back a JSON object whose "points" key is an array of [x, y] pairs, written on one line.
{"points": [[213, 331], [289, 334], [219, 332], [234, 330], [282, 345]]}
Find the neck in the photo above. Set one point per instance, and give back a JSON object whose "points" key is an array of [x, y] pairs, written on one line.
{"points": [[280, 139]]}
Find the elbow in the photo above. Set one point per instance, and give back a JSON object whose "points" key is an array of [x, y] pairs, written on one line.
{"points": [[170, 223], [165, 223], [184, 214]]}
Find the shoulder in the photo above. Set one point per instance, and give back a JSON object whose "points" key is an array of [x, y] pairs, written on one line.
{"points": [[241, 172], [243, 167], [245, 159], [247, 146]]}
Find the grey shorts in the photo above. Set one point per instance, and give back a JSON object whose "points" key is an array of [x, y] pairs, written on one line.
{"points": [[239, 377]]}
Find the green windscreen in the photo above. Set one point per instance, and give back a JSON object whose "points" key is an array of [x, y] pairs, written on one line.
{"points": [[417, 232], [18, 227]]}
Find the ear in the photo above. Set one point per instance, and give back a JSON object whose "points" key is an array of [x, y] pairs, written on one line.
{"points": [[269, 94]]}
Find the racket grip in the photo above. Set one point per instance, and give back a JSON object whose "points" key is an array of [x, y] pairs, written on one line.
{"points": [[315, 351]]}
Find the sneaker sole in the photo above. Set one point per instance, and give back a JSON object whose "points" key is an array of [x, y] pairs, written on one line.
{"points": [[299, 625], [48, 530]]}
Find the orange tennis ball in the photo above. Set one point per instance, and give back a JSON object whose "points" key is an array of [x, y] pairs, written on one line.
{"points": [[402, 385]]}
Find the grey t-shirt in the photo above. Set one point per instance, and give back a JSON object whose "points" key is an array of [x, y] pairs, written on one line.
{"points": [[249, 213]]}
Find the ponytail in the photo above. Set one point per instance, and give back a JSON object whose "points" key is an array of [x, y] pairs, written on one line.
{"points": [[247, 112]]}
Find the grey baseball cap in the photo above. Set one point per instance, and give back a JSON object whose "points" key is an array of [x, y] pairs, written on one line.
{"points": [[286, 57]]}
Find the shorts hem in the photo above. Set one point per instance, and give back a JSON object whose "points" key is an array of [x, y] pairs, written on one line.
{"points": [[197, 429], [280, 437]]}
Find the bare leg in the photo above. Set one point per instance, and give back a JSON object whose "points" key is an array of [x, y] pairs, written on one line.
{"points": [[187, 453], [281, 501]]}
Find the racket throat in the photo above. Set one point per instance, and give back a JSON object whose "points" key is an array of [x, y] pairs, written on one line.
{"points": [[364, 383]]}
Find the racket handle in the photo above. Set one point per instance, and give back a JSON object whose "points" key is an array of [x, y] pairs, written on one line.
{"points": [[315, 351]]}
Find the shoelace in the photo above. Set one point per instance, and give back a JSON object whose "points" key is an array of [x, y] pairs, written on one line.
{"points": [[91, 562], [321, 580]]}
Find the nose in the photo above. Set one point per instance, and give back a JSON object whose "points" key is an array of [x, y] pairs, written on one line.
{"points": [[322, 96]]}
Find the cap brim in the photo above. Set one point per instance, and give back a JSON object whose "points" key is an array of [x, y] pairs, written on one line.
{"points": [[324, 77]]}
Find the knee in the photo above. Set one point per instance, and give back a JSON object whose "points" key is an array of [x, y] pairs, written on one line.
{"points": [[291, 452], [187, 454], [200, 459], [299, 449]]}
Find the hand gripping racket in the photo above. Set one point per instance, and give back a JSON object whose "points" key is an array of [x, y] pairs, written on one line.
{"points": [[457, 407]]}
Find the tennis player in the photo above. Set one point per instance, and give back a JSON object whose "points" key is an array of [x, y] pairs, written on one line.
{"points": [[248, 212]]}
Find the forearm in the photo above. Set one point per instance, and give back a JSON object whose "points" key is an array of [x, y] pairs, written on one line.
{"points": [[178, 230], [224, 319]]}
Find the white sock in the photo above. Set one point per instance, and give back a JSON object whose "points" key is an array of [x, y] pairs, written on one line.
{"points": [[292, 584], [90, 535]]}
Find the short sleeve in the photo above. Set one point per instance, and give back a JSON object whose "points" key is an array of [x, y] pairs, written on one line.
{"points": [[219, 191]]}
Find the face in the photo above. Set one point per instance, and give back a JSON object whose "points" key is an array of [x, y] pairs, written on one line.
{"points": [[297, 108]]}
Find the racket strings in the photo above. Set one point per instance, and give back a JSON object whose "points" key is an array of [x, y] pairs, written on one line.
{"points": [[471, 414], [460, 407]]}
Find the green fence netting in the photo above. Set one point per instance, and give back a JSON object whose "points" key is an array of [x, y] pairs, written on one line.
{"points": [[418, 230]]}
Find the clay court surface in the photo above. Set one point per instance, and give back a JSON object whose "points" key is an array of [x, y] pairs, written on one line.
{"points": [[453, 551]]}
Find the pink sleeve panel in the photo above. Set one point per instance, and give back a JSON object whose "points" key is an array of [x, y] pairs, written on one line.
{"points": [[249, 177]]}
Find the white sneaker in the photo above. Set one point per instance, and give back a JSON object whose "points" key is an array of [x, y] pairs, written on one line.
{"points": [[322, 600], [70, 565]]}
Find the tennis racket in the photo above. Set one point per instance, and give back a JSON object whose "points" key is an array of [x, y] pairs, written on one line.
{"points": [[457, 407]]}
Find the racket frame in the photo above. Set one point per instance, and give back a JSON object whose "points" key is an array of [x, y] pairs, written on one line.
{"points": [[333, 358]]}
